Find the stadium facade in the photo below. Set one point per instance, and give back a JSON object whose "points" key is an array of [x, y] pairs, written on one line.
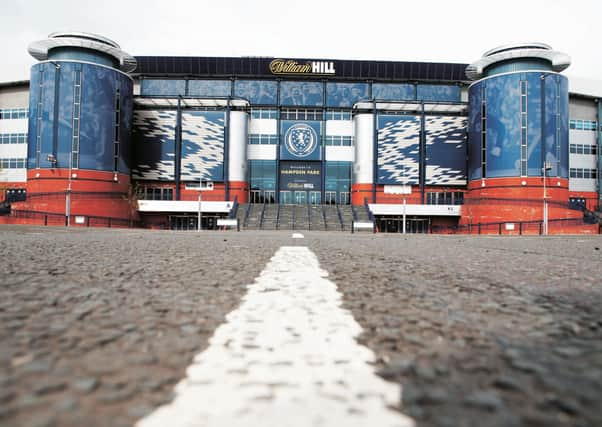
{"points": [[97, 135]]}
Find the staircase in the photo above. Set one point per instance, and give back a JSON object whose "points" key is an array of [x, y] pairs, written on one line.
{"points": [[316, 216], [333, 222], [270, 217], [347, 216], [253, 221], [299, 217]]}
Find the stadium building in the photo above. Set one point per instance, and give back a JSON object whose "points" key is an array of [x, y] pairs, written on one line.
{"points": [[97, 137]]}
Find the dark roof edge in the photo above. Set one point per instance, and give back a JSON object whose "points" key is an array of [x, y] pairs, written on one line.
{"points": [[17, 83]]}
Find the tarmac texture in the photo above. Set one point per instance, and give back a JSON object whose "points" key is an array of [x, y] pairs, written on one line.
{"points": [[98, 326]]}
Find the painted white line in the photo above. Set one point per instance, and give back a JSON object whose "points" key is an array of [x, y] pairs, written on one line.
{"points": [[286, 356], [298, 236]]}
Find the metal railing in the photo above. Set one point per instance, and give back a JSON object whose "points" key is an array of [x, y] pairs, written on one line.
{"points": [[534, 227], [52, 218]]}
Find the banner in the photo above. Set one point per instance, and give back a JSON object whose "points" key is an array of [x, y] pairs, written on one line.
{"points": [[297, 176]]}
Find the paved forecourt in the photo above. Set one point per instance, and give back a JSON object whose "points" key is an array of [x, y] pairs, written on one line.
{"points": [[98, 326]]}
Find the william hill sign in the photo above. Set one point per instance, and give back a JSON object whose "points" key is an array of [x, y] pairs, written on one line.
{"points": [[290, 66]]}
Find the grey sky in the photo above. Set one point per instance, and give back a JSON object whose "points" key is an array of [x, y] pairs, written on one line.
{"points": [[416, 30]]}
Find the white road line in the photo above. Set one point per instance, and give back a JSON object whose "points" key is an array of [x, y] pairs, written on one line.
{"points": [[286, 357], [298, 236]]}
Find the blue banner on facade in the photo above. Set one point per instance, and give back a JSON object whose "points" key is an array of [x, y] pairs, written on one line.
{"points": [[300, 140], [301, 176]]}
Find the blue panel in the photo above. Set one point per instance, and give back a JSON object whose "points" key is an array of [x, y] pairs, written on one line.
{"points": [[154, 145], [398, 149], [564, 128], [533, 123], [301, 93], [208, 88], [446, 93], [47, 115], [445, 150], [161, 87], [300, 140], [97, 118], [202, 146], [394, 91], [259, 92], [127, 104], [345, 94], [503, 126], [474, 131], [65, 123], [33, 114]]}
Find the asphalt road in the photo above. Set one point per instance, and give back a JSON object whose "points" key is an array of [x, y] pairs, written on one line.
{"points": [[97, 326]]}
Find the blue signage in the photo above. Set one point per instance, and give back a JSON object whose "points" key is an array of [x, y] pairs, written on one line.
{"points": [[300, 140]]}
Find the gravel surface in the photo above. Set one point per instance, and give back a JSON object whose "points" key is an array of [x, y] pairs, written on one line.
{"points": [[96, 326], [481, 331]]}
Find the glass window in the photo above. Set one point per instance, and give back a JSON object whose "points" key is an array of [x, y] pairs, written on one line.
{"points": [[162, 87], [448, 93], [345, 94], [209, 88], [263, 92], [393, 91], [338, 115], [301, 93], [264, 113], [262, 174]]}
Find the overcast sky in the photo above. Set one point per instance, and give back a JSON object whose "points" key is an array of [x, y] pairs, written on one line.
{"points": [[398, 30]]}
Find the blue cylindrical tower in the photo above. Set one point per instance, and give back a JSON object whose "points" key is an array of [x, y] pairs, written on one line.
{"points": [[518, 113], [517, 130], [80, 105], [80, 120]]}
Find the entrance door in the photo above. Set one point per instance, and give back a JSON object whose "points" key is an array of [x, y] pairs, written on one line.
{"points": [[286, 198], [330, 197], [344, 197], [269, 196], [300, 197], [255, 196], [315, 197]]}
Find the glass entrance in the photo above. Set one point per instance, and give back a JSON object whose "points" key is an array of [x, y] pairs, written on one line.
{"points": [[315, 197], [255, 196], [286, 198], [300, 197], [344, 198], [330, 197]]}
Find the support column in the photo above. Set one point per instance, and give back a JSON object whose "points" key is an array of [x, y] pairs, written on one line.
{"points": [[178, 148]]}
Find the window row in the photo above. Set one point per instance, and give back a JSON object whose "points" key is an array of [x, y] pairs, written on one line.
{"points": [[13, 113], [337, 140], [264, 113], [270, 113], [583, 173], [583, 124], [307, 93], [261, 139], [445, 198], [154, 193], [583, 149], [13, 163], [13, 138]]}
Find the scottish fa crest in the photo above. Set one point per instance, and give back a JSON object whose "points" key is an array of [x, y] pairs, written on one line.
{"points": [[301, 140]]}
